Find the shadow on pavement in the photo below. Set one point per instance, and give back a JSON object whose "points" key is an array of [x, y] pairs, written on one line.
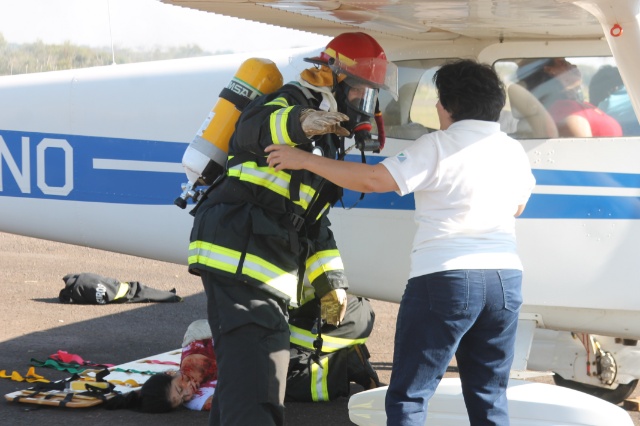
{"points": [[113, 334]]}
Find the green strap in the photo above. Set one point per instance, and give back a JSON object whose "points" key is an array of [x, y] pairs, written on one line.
{"points": [[130, 370], [60, 366]]}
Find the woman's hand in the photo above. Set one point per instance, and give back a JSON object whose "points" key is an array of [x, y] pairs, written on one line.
{"points": [[284, 157], [350, 175]]}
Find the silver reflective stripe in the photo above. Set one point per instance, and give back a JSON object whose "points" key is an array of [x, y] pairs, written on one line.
{"points": [[218, 257], [301, 337], [214, 256], [270, 274], [304, 338], [322, 262], [319, 374], [278, 125], [277, 182]]}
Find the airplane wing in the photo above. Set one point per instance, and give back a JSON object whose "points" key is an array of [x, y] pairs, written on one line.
{"points": [[406, 26], [409, 21]]}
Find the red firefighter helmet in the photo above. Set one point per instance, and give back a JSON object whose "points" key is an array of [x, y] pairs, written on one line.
{"points": [[358, 55]]}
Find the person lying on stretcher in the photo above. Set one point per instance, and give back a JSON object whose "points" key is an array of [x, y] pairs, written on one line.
{"points": [[194, 384]]}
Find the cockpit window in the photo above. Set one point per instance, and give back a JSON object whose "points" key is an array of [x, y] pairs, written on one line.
{"points": [[565, 97], [414, 113]]}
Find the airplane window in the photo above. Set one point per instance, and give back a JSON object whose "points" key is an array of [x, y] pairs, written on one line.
{"points": [[566, 97], [414, 113], [608, 93]]}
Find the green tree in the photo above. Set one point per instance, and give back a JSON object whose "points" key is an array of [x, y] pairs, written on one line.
{"points": [[40, 57]]}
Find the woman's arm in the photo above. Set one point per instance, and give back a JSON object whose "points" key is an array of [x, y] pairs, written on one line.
{"points": [[355, 176], [576, 126]]}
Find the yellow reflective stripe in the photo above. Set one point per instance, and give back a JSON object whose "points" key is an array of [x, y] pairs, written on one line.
{"points": [[323, 261], [319, 374], [267, 177], [214, 256], [305, 338], [326, 206], [332, 344], [344, 59], [123, 289], [301, 337], [278, 126], [308, 293], [225, 259], [268, 273], [281, 102]]}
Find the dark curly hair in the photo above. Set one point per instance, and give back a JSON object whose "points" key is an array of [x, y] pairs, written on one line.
{"points": [[153, 397], [469, 90]]}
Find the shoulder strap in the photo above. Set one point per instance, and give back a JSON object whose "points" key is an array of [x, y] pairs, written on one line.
{"points": [[239, 101], [303, 89], [307, 95]]}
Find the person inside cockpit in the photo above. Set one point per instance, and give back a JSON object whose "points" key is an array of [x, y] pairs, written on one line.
{"points": [[557, 84], [607, 91]]}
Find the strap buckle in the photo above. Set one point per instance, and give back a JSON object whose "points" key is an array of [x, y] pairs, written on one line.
{"points": [[297, 221]]}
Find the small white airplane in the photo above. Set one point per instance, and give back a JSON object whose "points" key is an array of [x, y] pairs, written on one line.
{"points": [[93, 157]]}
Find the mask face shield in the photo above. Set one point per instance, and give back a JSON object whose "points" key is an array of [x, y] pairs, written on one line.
{"points": [[357, 101], [360, 102], [360, 97]]}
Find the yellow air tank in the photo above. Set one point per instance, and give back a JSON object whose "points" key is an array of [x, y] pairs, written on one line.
{"points": [[206, 156]]}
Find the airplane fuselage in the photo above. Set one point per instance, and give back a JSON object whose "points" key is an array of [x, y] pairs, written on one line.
{"points": [[92, 157]]}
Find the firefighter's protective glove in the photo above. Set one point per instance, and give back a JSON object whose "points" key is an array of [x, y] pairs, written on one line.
{"points": [[323, 122], [333, 306]]}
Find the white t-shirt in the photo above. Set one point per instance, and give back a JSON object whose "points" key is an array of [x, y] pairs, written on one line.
{"points": [[468, 182]]}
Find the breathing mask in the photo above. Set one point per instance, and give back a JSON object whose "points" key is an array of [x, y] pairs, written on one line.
{"points": [[358, 101]]}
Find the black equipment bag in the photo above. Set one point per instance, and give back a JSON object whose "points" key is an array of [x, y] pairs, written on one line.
{"points": [[94, 289]]}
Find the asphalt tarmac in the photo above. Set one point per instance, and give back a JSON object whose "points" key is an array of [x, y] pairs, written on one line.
{"points": [[36, 325]]}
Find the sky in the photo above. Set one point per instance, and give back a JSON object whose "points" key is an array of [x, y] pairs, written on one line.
{"points": [[139, 24]]}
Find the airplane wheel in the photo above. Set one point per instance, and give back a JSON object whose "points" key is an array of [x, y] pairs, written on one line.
{"points": [[615, 396]]}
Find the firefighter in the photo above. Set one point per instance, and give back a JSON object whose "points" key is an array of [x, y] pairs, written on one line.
{"points": [[259, 232], [323, 372]]}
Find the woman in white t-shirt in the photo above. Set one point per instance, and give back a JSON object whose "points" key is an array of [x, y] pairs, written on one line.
{"points": [[470, 181]]}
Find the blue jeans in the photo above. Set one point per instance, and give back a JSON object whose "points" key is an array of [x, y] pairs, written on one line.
{"points": [[472, 314]]}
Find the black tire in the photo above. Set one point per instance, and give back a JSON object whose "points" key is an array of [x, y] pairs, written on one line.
{"points": [[615, 396]]}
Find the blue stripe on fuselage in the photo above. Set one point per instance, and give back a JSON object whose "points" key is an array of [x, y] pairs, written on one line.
{"points": [[89, 183], [48, 168], [581, 206], [595, 179]]}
